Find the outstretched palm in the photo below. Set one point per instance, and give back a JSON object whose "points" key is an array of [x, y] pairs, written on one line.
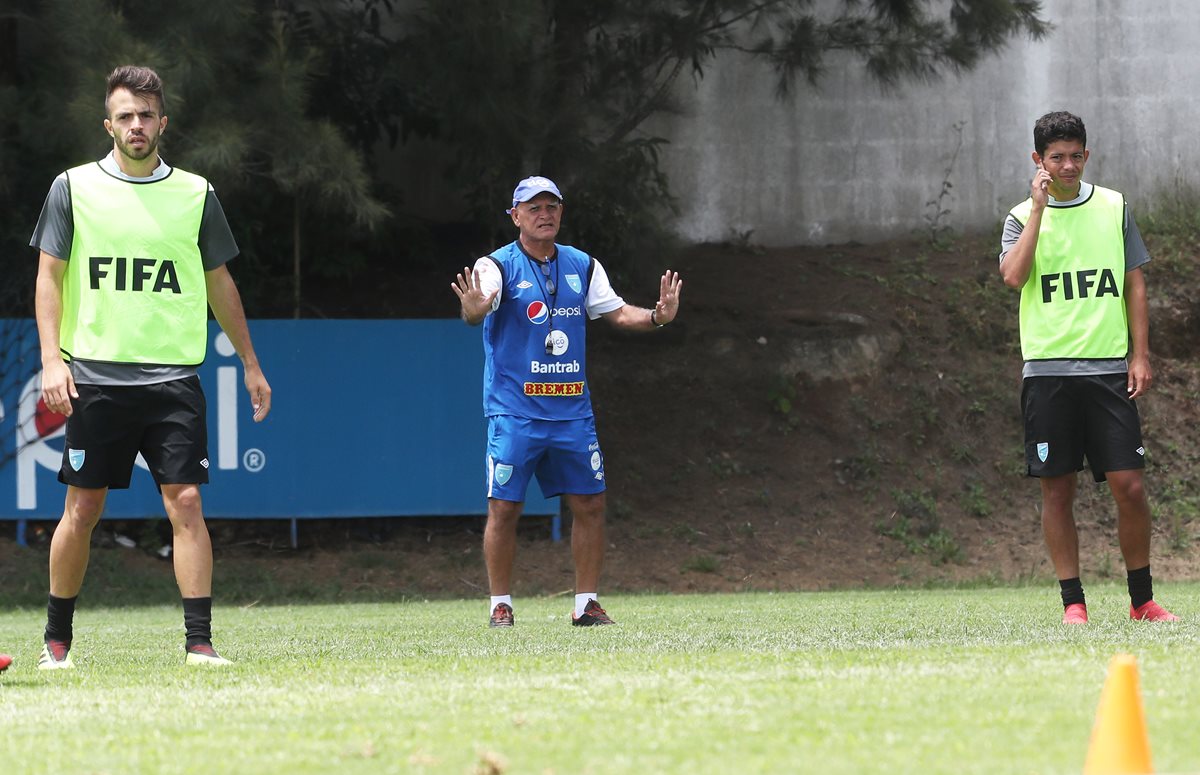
{"points": [[475, 304], [670, 288]]}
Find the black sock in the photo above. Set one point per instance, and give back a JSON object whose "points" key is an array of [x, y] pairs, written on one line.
{"points": [[1141, 586], [60, 612], [197, 621], [1072, 591]]}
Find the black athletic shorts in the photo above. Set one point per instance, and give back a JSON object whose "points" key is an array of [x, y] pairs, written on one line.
{"points": [[1069, 418], [110, 424]]}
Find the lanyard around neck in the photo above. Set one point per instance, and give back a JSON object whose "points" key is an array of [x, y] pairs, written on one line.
{"points": [[552, 298]]}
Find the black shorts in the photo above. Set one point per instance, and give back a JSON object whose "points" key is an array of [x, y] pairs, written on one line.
{"points": [[110, 424], [1069, 418]]}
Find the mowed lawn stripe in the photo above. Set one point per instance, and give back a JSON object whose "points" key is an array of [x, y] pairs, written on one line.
{"points": [[979, 680]]}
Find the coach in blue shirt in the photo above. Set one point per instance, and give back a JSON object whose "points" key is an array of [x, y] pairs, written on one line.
{"points": [[532, 296]]}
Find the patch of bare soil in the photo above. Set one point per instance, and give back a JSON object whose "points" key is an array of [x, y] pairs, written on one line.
{"points": [[848, 416]]}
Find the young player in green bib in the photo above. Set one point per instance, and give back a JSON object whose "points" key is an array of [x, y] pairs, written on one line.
{"points": [[1074, 252]]}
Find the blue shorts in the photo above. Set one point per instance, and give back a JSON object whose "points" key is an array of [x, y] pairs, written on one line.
{"points": [[564, 454]]}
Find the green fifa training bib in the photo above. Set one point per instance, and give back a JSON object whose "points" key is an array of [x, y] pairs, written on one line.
{"points": [[134, 287], [1073, 304]]}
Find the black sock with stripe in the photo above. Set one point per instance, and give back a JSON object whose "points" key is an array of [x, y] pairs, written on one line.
{"points": [[1071, 590], [1141, 586]]}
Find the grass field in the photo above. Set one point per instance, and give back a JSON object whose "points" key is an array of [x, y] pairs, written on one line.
{"points": [[979, 680]]}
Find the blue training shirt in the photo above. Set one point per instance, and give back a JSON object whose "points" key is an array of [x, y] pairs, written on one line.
{"points": [[534, 342]]}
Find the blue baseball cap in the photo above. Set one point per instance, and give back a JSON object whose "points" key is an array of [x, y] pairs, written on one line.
{"points": [[532, 186]]}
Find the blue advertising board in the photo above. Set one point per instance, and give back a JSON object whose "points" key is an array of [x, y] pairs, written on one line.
{"points": [[368, 418]]}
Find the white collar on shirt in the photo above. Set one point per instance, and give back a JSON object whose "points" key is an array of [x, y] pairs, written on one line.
{"points": [[109, 165], [1085, 190]]}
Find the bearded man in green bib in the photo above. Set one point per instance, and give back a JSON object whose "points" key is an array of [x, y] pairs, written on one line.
{"points": [[132, 254], [1075, 253]]}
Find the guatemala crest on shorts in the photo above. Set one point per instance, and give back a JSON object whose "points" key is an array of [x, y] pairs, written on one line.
{"points": [[574, 283], [75, 457], [503, 473], [1043, 451]]}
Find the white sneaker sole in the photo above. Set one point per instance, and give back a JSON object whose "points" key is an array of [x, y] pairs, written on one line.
{"points": [[203, 660], [45, 662]]}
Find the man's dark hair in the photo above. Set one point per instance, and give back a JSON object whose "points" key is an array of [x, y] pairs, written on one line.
{"points": [[139, 81], [1059, 125]]}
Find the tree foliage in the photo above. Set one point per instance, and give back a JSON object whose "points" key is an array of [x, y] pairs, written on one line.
{"points": [[286, 104], [565, 88], [239, 78]]}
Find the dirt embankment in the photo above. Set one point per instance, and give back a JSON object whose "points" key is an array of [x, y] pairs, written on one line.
{"points": [[816, 418]]}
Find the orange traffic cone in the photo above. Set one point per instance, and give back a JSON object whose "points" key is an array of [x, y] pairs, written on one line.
{"points": [[1119, 743]]}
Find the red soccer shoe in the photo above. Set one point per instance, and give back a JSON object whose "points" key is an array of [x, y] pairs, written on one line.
{"points": [[1075, 613], [1151, 611]]}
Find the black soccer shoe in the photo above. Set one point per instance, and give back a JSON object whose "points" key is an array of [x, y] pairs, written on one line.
{"points": [[593, 616]]}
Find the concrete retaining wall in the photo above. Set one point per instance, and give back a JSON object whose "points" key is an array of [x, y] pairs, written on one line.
{"points": [[851, 162]]}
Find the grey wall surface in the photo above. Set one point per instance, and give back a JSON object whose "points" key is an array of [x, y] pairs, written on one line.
{"points": [[848, 161]]}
